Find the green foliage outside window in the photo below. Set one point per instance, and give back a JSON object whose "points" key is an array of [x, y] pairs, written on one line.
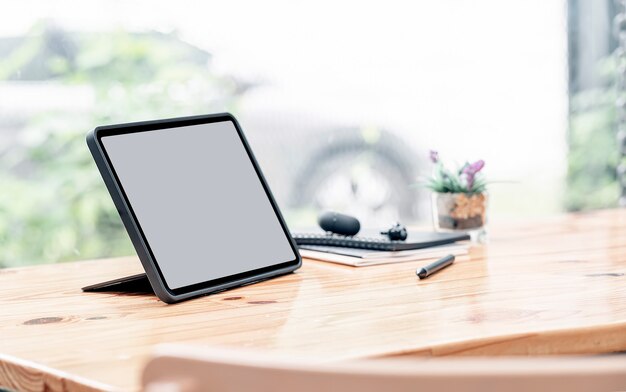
{"points": [[593, 152], [53, 204]]}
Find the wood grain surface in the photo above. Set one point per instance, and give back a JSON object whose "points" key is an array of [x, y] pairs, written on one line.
{"points": [[550, 286]]}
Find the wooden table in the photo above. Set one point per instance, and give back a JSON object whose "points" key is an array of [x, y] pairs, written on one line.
{"points": [[550, 286]]}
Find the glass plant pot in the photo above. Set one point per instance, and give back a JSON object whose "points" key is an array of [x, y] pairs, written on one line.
{"points": [[461, 212]]}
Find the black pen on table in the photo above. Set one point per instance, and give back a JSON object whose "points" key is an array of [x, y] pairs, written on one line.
{"points": [[438, 265]]}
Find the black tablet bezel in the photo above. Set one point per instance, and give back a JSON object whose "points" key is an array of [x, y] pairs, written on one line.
{"points": [[136, 232]]}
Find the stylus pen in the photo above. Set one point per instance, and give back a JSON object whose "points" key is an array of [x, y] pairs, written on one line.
{"points": [[431, 268]]}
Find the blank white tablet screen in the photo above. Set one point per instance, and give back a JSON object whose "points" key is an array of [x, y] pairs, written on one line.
{"points": [[199, 202]]}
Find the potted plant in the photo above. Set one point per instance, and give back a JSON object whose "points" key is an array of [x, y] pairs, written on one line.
{"points": [[459, 201]]}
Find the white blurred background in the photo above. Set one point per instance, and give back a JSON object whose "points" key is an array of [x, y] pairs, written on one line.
{"points": [[341, 101]]}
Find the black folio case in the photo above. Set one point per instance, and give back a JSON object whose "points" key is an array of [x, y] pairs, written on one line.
{"points": [[154, 275]]}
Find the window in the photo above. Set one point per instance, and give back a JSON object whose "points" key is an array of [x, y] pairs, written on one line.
{"points": [[340, 101]]}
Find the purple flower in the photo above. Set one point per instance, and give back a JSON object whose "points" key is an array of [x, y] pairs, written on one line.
{"points": [[470, 172], [434, 156], [474, 167]]}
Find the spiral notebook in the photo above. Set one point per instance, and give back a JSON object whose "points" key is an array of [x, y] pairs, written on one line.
{"points": [[375, 241]]}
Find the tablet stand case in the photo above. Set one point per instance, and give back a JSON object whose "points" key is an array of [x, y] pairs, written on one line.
{"points": [[142, 283], [129, 284]]}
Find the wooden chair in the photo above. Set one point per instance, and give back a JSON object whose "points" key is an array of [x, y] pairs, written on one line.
{"points": [[179, 368]]}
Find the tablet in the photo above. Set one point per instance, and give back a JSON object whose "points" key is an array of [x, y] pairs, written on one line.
{"points": [[195, 204]]}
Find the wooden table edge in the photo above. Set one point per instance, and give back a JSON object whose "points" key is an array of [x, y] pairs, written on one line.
{"points": [[27, 375], [24, 374], [588, 340]]}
